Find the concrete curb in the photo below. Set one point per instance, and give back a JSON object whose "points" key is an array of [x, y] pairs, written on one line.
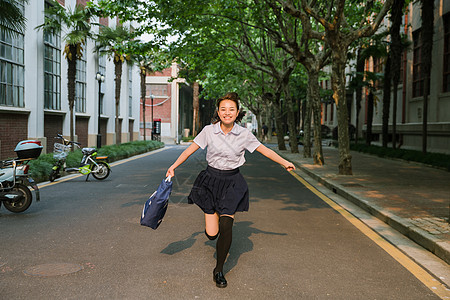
{"points": [[438, 247]]}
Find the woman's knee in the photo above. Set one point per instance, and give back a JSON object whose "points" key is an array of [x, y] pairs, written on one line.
{"points": [[211, 237], [211, 225]]}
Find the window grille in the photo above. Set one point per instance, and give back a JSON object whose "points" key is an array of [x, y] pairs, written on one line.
{"points": [[12, 67]]}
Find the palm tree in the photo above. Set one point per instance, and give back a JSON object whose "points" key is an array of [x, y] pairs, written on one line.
{"points": [[78, 28], [12, 20], [145, 66], [113, 42]]}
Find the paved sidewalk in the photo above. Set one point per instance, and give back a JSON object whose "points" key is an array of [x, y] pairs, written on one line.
{"points": [[412, 198]]}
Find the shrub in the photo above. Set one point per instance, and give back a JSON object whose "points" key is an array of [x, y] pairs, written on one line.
{"points": [[439, 160], [187, 138], [41, 167]]}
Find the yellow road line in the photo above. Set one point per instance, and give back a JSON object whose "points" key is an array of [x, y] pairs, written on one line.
{"points": [[429, 281], [112, 165]]}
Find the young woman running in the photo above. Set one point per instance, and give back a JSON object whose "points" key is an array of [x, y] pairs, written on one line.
{"points": [[220, 190]]}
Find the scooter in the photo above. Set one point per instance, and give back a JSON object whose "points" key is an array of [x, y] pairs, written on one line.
{"points": [[90, 163], [15, 180]]}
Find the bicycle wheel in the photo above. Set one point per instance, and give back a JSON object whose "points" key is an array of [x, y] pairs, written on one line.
{"points": [[100, 171], [24, 201]]}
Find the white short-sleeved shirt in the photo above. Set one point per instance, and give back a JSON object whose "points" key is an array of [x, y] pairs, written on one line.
{"points": [[226, 152]]}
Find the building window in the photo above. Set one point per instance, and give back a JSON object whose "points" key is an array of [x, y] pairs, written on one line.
{"points": [[417, 62], [446, 67], [12, 68], [130, 90], [52, 68], [102, 70], [80, 86]]}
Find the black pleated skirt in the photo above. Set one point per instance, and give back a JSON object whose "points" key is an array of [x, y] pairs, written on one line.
{"points": [[221, 191]]}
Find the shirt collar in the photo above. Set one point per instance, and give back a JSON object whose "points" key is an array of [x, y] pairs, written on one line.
{"points": [[235, 130]]}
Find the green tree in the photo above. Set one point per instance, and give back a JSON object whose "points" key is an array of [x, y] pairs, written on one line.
{"points": [[12, 20], [113, 42], [339, 29], [295, 37], [396, 49], [148, 57], [78, 30]]}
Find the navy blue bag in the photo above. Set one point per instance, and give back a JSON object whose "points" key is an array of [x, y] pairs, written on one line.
{"points": [[156, 206]]}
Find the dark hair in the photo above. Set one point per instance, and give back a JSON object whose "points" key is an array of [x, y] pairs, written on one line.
{"points": [[228, 96]]}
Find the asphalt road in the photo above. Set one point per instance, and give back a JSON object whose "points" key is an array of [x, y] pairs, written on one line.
{"points": [[290, 245]]}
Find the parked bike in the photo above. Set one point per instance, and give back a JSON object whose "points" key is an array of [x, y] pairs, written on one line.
{"points": [[15, 180], [90, 163]]}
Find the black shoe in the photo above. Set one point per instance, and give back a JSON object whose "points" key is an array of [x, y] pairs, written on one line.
{"points": [[220, 280]]}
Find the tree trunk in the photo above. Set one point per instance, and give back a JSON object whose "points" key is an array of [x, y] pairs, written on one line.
{"points": [[195, 106], [386, 100], [427, 48], [339, 95], [307, 125], [71, 78], [369, 118], [314, 97], [293, 142], [359, 70], [259, 118], [279, 122], [269, 122], [118, 81], [396, 54], [143, 94]]}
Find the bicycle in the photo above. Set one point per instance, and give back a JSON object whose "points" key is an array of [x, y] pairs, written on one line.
{"points": [[90, 163]]}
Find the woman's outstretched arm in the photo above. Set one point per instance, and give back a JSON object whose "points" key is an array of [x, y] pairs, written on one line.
{"points": [[182, 158], [269, 153]]}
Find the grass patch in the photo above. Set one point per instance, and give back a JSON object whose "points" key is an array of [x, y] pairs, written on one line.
{"points": [[438, 160], [41, 167]]}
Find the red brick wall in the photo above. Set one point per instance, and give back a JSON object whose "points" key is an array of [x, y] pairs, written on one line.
{"points": [[52, 126], [14, 128], [165, 72], [62, 2], [104, 21], [81, 130], [81, 2], [162, 111]]}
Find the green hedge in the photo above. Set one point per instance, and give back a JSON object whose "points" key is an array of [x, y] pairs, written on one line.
{"points": [[41, 167], [187, 138], [439, 160]]}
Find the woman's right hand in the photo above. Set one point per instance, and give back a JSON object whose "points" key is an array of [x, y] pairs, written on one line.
{"points": [[170, 172]]}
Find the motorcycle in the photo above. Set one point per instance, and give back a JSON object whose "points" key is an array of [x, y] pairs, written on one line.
{"points": [[90, 163], [15, 180]]}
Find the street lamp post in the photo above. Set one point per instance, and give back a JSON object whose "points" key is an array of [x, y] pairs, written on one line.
{"points": [[153, 123], [100, 78]]}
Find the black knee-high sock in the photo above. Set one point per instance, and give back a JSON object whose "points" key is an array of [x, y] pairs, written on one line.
{"points": [[224, 241]]}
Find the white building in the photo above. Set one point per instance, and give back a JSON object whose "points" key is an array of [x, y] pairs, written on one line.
{"points": [[33, 88], [410, 90]]}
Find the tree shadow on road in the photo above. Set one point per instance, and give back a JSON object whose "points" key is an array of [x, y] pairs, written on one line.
{"points": [[242, 243], [242, 231]]}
